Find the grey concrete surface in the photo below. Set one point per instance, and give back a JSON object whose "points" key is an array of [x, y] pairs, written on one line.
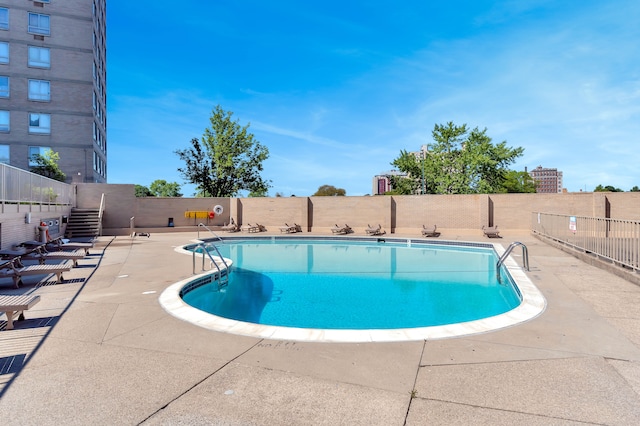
{"points": [[99, 349]]}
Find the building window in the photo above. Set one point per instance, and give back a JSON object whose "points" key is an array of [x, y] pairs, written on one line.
{"points": [[4, 52], [34, 151], [39, 24], [4, 18], [4, 86], [39, 57], [4, 121], [39, 90], [39, 123], [4, 154]]}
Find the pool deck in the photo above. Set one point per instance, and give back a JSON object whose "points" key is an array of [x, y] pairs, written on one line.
{"points": [[99, 349]]}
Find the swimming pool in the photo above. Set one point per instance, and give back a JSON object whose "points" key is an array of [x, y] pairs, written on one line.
{"points": [[357, 290]]}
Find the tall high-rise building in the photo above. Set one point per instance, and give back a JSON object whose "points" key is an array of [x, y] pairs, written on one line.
{"points": [[53, 85], [547, 180]]}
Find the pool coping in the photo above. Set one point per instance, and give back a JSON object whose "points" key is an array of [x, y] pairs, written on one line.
{"points": [[533, 304]]}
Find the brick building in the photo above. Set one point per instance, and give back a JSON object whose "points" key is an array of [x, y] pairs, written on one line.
{"points": [[548, 181], [53, 85]]}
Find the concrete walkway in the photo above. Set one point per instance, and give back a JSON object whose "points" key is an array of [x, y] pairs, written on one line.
{"points": [[99, 349]]}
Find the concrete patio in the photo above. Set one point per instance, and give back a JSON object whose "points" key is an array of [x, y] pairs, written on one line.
{"points": [[99, 349]]}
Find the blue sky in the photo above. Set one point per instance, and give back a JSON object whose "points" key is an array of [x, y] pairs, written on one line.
{"points": [[336, 89]]}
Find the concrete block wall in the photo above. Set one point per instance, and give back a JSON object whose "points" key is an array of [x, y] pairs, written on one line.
{"points": [[154, 212], [357, 212], [444, 211], [273, 212], [624, 205], [395, 213], [13, 226]]}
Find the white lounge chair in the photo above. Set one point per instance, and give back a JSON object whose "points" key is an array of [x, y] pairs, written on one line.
{"points": [[250, 228], [231, 227], [288, 229], [42, 255], [430, 231], [372, 230], [491, 231], [346, 229], [13, 305], [15, 270]]}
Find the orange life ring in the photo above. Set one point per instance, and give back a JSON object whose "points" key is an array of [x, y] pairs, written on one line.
{"points": [[211, 215]]}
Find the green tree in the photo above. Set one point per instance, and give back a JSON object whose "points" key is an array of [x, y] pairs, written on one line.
{"points": [[607, 188], [226, 160], [412, 178], [518, 182], [162, 188], [143, 191], [329, 191], [47, 165], [635, 189], [461, 161]]}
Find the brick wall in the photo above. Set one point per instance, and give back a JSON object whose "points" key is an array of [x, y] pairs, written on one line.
{"points": [[400, 214]]}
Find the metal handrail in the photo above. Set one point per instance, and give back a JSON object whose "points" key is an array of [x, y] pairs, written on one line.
{"points": [[204, 246], [615, 240], [210, 231], [525, 256], [100, 214]]}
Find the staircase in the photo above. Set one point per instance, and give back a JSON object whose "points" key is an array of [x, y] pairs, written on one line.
{"points": [[83, 223]]}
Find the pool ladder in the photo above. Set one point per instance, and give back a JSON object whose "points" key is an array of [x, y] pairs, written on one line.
{"points": [[223, 274], [525, 257]]}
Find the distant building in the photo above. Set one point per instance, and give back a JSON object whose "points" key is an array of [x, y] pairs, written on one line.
{"points": [[53, 85], [548, 181], [382, 182]]}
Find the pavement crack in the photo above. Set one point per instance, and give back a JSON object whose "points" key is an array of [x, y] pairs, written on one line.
{"points": [[199, 382]]}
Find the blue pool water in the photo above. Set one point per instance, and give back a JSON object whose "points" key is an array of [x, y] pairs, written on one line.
{"points": [[356, 285]]}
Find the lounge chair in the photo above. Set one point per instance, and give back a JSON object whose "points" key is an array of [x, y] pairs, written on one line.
{"points": [[42, 255], [60, 244], [288, 229], [250, 228], [15, 270], [231, 227], [372, 230], [346, 229], [297, 227], [430, 231], [491, 231], [16, 305], [261, 228]]}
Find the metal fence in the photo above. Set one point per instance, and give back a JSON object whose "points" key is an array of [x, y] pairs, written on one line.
{"points": [[19, 186], [612, 239]]}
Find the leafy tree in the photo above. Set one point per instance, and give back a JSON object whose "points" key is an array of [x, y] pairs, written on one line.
{"points": [[47, 165], [143, 191], [607, 188], [635, 189], [162, 188], [461, 161], [226, 160], [518, 182], [262, 192], [412, 178], [329, 191]]}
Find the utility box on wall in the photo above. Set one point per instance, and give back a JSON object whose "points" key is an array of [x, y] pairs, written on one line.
{"points": [[53, 224]]}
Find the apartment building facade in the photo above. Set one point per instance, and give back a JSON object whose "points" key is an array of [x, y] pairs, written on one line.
{"points": [[548, 181], [53, 85]]}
